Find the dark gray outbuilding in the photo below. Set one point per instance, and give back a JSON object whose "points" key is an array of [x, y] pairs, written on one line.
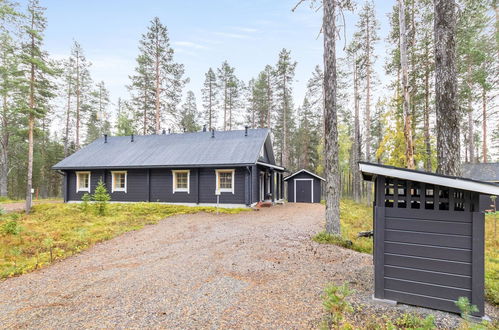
{"points": [[428, 237], [488, 172], [304, 187]]}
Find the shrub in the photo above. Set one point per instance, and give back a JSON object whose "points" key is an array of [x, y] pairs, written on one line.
{"points": [[336, 305], [414, 321], [85, 200], [11, 227], [101, 198], [326, 238], [2, 211]]}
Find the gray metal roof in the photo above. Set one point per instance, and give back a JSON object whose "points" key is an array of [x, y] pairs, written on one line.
{"points": [[187, 149], [483, 171]]}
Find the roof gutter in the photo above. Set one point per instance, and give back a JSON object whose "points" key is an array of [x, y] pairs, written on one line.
{"points": [[271, 166], [152, 166]]}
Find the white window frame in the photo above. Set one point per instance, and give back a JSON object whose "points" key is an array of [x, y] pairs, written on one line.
{"points": [[112, 181], [78, 189], [174, 181], [217, 182]]}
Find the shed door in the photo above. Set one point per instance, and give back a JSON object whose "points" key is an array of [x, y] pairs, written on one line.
{"points": [[303, 190]]}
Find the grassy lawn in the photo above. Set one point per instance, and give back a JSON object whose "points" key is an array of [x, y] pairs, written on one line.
{"points": [[57, 231], [5, 200], [357, 217]]}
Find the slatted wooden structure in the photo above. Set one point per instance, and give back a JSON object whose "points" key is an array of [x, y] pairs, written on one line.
{"points": [[428, 237]]}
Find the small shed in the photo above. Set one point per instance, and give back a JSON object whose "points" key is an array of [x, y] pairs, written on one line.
{"points": [[304, 187], [428, 237]]}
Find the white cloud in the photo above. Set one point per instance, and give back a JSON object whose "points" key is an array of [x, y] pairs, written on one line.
{"points": [[232, 35]]}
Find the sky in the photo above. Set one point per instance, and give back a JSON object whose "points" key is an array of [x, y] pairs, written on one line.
{"points": [[247, 33]]}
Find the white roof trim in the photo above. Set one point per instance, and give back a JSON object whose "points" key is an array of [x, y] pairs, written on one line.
{"points": [[481, 187], [304, 170], [271, 166]]}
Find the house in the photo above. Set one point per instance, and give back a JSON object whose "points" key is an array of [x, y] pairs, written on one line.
{"points": [[488, 172], [233, 168], [304, 187]]}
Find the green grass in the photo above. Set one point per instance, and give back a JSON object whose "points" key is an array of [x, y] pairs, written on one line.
{"points": [[357, 217], [56, 231]]}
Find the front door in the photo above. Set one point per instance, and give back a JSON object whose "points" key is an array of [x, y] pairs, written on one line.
{"points": [[303, 191]]}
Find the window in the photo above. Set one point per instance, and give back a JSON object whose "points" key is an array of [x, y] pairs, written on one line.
{"points": [[83, 181], [119, 181], [181, 181], [225, 181]]}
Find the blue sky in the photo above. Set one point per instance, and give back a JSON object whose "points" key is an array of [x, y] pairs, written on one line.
{"points": [[247, 33]]}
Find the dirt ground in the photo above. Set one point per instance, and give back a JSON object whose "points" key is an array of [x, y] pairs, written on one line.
{"points": [[250, 270], [19, 206]]}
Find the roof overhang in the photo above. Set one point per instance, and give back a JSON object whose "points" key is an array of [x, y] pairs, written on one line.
{"points": [[280, 168], [304, 170], [149, 166], [370, 170]]}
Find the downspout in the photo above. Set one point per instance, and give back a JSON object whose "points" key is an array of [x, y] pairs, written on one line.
{"points": [[64, 185], [250, 185]]}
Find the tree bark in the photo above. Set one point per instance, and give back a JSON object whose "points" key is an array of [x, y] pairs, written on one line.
{"points": [[4, 149], [409, 147], [157, 90], [285, 152], [78, 93], [331, 121], [484, 125], [269, 99], [447, 112], [31, 124], [356, 179], [426, 117], [68, 112]]}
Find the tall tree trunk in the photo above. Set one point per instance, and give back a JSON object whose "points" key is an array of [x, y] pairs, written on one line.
{"points": [[484, 125], [356, 179], [285, 151], [409, 147], [225, 105], [4, 149], [144, 131], [78, 94], [368, 91], [426, 117], [269, 100], [31, 124], [331, 121], [68, 112], [471, 125], [157, 90], [210, 105], [447, 111]]}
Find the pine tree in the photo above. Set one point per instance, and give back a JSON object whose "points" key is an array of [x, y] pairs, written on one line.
{"points": [[98, 116], [37, 68], [125, 121], [189, 116], [9, 87], [225, 76], [283, 78], [158, 81], [210, 98]]}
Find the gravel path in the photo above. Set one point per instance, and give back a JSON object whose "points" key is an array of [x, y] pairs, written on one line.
{"points": [[20, 206], [249, 270]]}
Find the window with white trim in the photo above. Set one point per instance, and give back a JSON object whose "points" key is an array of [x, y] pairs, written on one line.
{"points": [[83, 181], [119, 179], [225, 180], [181, 180]]}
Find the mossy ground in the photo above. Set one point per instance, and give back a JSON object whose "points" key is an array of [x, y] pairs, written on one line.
{"points": [[61, 230], [357, 217]]}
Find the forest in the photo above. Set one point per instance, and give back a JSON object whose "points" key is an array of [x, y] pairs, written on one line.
{"points": [[51, 107]]}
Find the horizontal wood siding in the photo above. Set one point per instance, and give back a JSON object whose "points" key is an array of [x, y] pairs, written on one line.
{"points": [[207, 187], [161, 186]]}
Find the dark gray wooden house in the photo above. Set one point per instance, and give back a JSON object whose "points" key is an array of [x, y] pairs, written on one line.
{"points": [[304, 187], [488, 172], [237, 168], [428, 237]]}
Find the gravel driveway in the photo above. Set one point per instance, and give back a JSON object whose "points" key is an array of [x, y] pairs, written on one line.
{"points": [[249, 270]]}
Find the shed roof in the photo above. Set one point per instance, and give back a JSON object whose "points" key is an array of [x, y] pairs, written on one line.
{"points": [[370, 169], [173, 150], [482, 171], [305, 171]]}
